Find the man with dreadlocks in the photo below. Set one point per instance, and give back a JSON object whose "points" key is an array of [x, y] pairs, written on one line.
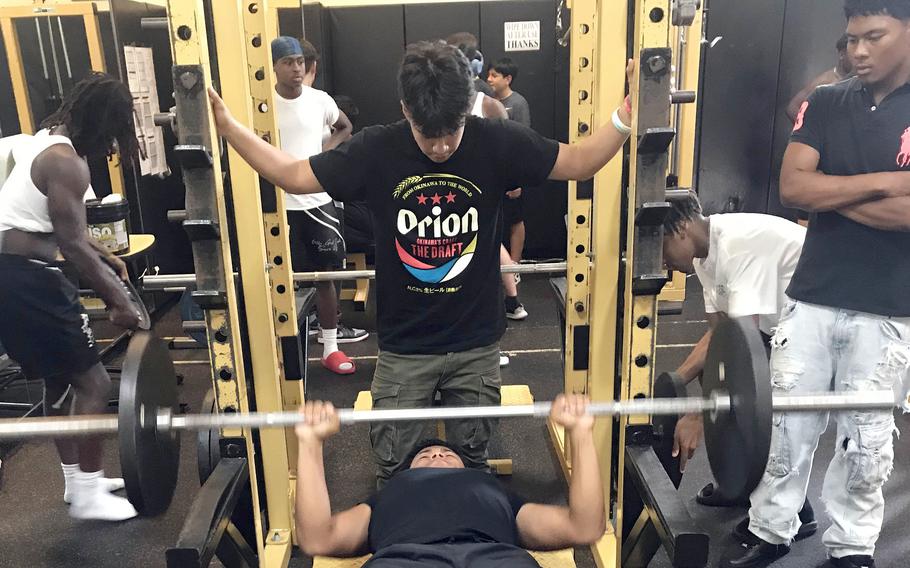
{"points": [[42, 324], [744, 262]]}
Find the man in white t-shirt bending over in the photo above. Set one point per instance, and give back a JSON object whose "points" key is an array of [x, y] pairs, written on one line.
{"points": [[316, 233], [744, 262]]}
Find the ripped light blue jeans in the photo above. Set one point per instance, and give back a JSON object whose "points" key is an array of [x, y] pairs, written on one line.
{"points": [[819, 349]]}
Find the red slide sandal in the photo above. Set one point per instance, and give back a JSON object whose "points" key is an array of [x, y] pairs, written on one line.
{"points": [[339, 363]]}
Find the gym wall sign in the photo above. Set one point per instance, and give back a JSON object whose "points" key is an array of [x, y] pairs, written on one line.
{"points": [[522, 36]]}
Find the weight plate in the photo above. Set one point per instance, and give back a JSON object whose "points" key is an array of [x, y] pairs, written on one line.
{"points": [[738, 442], [149, 459], [208, 450], [208, 454], [145, 319], [667, 385]]}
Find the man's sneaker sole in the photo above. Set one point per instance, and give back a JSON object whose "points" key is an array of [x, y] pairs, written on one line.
{"points": [[518, 316]]}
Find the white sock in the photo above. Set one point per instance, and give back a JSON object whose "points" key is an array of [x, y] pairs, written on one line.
{"points": [[329, 341], [69, 476], [91, 501], [86, 482], [69, 480], [69, 470]]}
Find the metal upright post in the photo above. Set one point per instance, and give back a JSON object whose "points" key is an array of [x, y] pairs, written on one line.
{"points": [[242, 37]]}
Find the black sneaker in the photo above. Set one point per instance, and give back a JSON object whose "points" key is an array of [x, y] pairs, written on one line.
{"points": [[348, 334], [519, 313], [514, 309], [758, 555], [742, 533], [808, 526], [854, 561]]}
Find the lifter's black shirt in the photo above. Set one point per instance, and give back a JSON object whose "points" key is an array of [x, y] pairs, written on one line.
{"points": [[431, 505], [437, 226], [845, 264]]}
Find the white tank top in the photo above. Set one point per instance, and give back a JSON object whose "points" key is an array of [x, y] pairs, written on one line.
{"points": [[477, 109], [22, 205]]}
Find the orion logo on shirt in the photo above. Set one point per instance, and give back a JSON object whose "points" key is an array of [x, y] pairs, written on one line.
{"points": [[437, 226], [903, 155]]}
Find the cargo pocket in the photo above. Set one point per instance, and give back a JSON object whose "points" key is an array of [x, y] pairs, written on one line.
{"points": [[892, 372], [490, 391], [779, 460], [384, 435], [474, 434], [870, 456]]}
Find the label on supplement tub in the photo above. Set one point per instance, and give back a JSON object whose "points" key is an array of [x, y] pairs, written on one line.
{"points": [[113, 236]]}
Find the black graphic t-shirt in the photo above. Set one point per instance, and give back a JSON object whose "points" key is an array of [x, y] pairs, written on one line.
{"points": [[434, 505], [845, 264], [437, 226]]}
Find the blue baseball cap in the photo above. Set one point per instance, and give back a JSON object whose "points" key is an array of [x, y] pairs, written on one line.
{"points": [[285, 46]]}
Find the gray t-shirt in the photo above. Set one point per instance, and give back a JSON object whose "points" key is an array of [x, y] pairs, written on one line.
{"points": [[518, 109]]}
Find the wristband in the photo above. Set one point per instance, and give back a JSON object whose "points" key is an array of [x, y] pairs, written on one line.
{"points": [[619, 125]]}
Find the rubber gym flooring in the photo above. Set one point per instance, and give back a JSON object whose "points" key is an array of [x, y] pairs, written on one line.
{"points": [[35, 530]]}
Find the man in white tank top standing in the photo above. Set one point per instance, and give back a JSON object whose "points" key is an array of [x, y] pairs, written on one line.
{"points": [[42, 323], [316, 233]]}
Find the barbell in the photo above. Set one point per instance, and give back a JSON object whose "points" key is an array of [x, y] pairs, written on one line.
{"points": [[167, 281], [737, 405]]}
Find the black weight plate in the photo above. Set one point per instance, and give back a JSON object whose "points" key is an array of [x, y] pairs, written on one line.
{"points": [[208, 454], [738, 442], [145, 320], [149, 459], [208, 450], [667, 385]]}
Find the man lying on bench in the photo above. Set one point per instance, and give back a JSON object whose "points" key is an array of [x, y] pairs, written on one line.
{"points": [[435, 513]]}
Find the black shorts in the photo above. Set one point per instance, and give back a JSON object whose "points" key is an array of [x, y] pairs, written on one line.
{"points": [[512, 212], [317, 238], [43, 326]]}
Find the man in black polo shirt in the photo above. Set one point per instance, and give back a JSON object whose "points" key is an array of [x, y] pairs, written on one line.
{"points": [[847, 324]]}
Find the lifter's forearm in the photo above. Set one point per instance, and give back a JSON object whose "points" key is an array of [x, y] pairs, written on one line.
{"points": [[694, 364], [314, 510], [280, 168], [892, 214], [586, 498], [595, 151]]}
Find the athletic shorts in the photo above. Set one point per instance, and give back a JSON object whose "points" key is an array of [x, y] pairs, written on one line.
{"points": [[512, 212], [317, 238], [43, 326]]}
